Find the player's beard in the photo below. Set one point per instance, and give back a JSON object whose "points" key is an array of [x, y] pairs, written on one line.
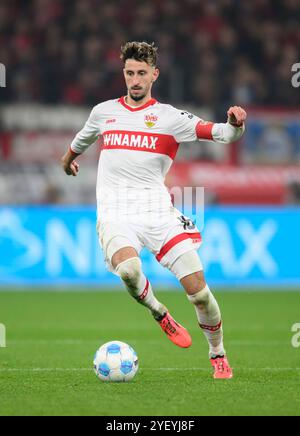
{"points": [[137, 98]]}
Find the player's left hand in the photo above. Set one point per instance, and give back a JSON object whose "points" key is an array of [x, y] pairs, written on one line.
{"points": [[236, 116]]}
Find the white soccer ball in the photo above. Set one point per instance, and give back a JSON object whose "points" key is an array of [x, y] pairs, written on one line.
{"points": [[116, 362]]}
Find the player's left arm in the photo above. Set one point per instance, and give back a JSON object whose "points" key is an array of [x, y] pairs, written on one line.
{"points": [[225, 133]]}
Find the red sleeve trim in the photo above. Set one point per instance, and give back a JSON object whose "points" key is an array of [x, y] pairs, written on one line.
{"points": [[73, 153], [204, 130]]}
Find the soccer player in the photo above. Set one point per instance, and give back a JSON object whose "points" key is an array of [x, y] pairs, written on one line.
{"points": [[140, 138]]}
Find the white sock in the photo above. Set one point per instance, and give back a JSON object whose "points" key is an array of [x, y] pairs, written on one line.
{"points": [[139, 286], [148, 299], [209, 317]]}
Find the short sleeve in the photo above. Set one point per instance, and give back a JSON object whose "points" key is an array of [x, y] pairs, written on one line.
{"points": [[89, 134], [184, 126]]}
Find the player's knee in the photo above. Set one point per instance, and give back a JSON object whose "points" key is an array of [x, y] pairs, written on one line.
{"points": [[198, 284], [130, 271], [194, 283], [200, 298]]}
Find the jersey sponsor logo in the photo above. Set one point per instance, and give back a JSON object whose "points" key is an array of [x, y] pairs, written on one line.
{"points": [[151, 120], [111, 121], [130, 140], [140, 141]]}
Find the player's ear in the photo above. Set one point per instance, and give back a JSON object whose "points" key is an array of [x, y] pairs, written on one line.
{"points": [[156, 74]]}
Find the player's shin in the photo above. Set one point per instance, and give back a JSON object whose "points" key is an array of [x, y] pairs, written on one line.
{"points": [[209, 317], [139, 287]]}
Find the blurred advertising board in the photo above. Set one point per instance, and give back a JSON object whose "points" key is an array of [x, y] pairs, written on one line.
{"points": [[272, 137], [228, 184], [58, 246]]}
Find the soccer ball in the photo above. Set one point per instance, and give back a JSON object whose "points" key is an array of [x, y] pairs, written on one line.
{"points": [[116, 362]]}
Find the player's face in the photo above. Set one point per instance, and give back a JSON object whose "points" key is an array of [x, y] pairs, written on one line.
{"points": [[139, 78]]}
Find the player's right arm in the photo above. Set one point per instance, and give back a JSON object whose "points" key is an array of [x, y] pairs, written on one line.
{"points": [[84, 139], [70, 166]]}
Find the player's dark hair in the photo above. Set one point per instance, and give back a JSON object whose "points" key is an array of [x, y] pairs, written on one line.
{"points": [[140, 51]]}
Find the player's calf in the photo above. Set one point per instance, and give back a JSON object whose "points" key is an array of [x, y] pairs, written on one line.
{"points": [[139, 287], [130, 271], [209, 318]]}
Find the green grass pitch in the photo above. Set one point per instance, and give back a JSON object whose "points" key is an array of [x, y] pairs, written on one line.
{"points": [[46, 368]]}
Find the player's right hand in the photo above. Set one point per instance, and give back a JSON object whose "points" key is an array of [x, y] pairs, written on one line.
{"points": [[70, 166], [72, 169]]}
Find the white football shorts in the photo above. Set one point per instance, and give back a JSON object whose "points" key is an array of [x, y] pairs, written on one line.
{"points": [[167, 239]]}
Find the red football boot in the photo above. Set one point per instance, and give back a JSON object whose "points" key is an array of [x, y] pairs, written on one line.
{"points": [[221, 368], [175, 332]]}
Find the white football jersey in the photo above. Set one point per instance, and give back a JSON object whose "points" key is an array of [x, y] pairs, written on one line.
{"points": [[138, 149]]}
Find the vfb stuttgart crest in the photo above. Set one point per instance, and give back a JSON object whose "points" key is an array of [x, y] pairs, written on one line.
{"points": [[151, 120]]}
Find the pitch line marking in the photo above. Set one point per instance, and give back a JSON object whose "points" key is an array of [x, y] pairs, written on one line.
{"points": [[47, 342], [142, 369]]}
